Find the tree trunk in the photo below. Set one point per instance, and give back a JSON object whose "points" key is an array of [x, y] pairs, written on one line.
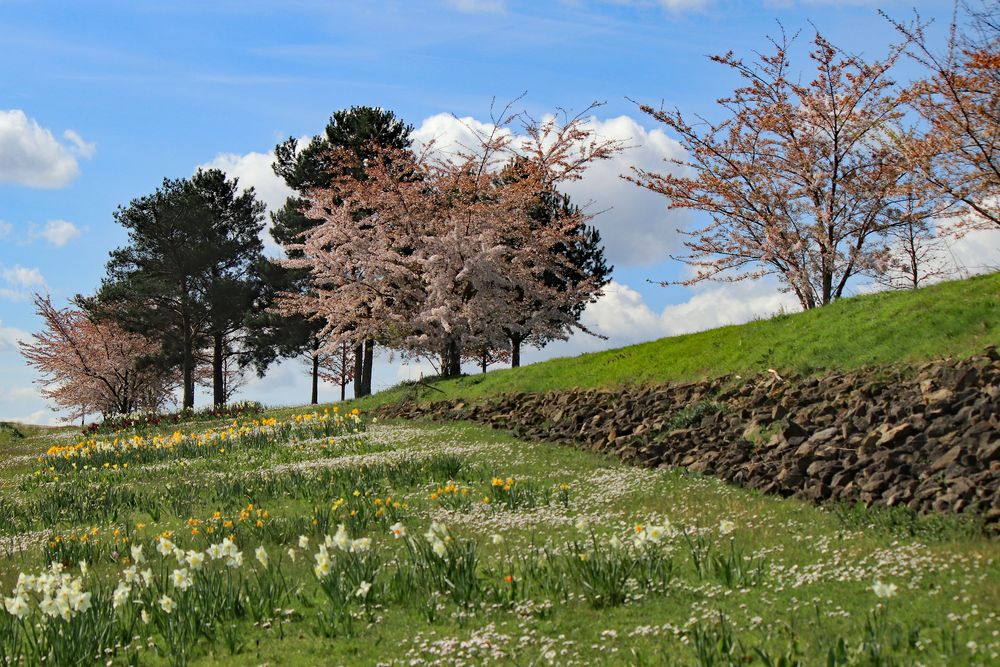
{"points": [[484, 360], [345, 355], [452, 358], [315, 379], [367, 370], [218, 381], [515, 350], [187, 365], [359, 363]]}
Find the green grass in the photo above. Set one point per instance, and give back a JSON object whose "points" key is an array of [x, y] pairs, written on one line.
{"points": [[949, 319], [813, 586]]}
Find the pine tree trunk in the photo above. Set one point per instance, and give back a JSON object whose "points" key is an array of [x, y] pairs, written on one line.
{"points": [[218, 381], [368, 360], [187, 364], [359, 363]]}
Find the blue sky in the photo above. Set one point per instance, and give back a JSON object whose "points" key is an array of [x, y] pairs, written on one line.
{"points": [[99, 101]]}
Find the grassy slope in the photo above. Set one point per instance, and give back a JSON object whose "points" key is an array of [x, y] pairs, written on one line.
{"points": [[950, 319]]}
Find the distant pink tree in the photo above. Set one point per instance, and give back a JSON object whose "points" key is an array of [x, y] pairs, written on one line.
{"points": [[94, 366]]}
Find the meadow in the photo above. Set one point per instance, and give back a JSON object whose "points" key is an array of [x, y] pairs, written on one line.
{"points": [[322, 537]]}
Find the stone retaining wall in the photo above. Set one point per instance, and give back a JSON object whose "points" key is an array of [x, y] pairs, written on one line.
{"points": [[927, 437]]}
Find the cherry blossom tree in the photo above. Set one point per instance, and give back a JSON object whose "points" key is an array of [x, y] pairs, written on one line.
{"points": [[437, 253], [959, 102], [799, 180], [94, 366], [334, 366]]}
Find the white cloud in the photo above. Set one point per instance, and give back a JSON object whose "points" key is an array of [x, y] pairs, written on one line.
{"points": [[623, 316], [80, 147], [5, 228], [254, 170], [672, 5], [20, 281], [635, 226], [59, 232], [41, 417], [477, 6], [30, 155], [976, 252], [10, 337], [18, 394]]}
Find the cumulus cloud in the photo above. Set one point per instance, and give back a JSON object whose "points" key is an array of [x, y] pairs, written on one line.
{"points": [[19, 281], [976, 252], [41, 417], [30, 155], [623, 316], [254, 170], [636, 227], [59, 232]]}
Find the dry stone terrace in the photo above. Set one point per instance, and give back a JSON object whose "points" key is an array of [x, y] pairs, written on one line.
{"points": [[927, 438]]}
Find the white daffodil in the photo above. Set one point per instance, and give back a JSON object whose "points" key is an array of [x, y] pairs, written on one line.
{"points": [[398, 530], [726, 526], [363, 589], [164, 546], [341, 539], [261, 555], [497, 538], [120, 596], [195, 559], [884, 590], [182, 579], [16, 606], [167, 604], [303, 542], [438, 547]]}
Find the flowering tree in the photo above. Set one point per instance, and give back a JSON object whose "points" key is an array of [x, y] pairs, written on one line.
{"points": [[960, 104], [335, 366], [799, 180], [438, 253], [89, 365]]}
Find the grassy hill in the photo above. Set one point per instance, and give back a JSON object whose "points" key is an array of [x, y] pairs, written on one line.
{"points": [[305, 538], [954, 318]]}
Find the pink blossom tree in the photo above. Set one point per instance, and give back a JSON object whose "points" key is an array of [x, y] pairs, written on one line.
{"points": [[94, 366]]}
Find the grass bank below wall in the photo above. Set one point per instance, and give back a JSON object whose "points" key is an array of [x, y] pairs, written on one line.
{"points": [[955, 318]]}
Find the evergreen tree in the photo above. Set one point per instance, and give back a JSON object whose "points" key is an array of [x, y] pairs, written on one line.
{"points": [[187, 275], [359, 130]]}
